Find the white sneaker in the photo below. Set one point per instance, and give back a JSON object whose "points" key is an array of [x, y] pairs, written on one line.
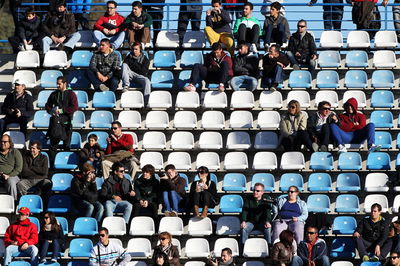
{"points": [[342, 148], [374, 148], [103, 87], [221, 87], [190, 87], [253, 48]]}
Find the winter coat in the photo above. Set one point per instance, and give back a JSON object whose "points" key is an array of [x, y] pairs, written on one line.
{"points": [[66, 101], [219, 22], [28, 29], [108, 189], [84, 153], [144, 19], [59, 25], [313, 119], [318, 250], [245, 65], [173, 253], [177, 184], [81, 189], [305, 46], [376, 233], [138, 65], [256, 212], [23, 103], [300, 123], [147, 189], [22, 232], [281, 254], [35, 168]]}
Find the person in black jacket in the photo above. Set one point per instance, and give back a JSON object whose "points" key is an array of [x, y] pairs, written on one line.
{"points": [[50, 235], [245, 69], [18, 108], [92, 153], [301, 49], [172, 186], [273, 64], [156, 11], [372, 235], [84, 193]]}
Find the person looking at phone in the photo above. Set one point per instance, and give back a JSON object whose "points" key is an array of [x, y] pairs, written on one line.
{"points": [[226, 259], [172, 186]]}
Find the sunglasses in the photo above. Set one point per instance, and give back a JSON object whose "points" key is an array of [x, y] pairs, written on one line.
{"points": [[46, 217], [114, 128], [311, 233], [121, 171], [301, 26], [394, 257], [326, 108], [257, 190], [102, 235], [162, 238], [292, 107], [292, 191]]}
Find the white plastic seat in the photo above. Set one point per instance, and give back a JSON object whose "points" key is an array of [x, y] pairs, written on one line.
{"points": [[342, 263], [376, 198], [303, 97], [173, 225], [268, 120], [142, 226], [4, 223], [331, 39], [139, 247], [215, 99], [116, 225], [253, 263], [292, 160], [330, 96], [359, 95], [18, 138], [134, 137], [241, 119], [185, 120], [28, 77], [210, 140], [194, 39], [236, 161], [153, 158], [154, 140], [358, 39], [200, 227], [242, 99], [396, 204], [197, 248], [265, 160], [27, 59], [226, 242], [181, 160], [266, 140], [195, 263], [270, 99], [255, 248], [157, 120], [213, 120], [187, 99], [238, 140], [136, 263], [132, 99], [166, 39], [182, 141], [7, 204], [130, 119], [384, 59], [160, 99], [385, 39], [376, 182], [228, 225], [208, 159], [55, 59]]}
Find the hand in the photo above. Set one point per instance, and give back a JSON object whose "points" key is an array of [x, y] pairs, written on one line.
{"points": [[356, 234], [29, 42], [297, 54], [132, 193], [112, 32], [98, 155], [295, 219], [280, 64], [377, 250], [356, 123], [205, 186], [267, 225], [18, 114], [384, 3], [145, 203], [24, 246], [314, 57], [25, 43], [214, 262], [14, 242], [54, 39], [106, 31], [108, 140], [62, 39], [208, 12], [114, 137], [6, 176], [164, 177], [311, 263], [50, 241], [243, 225], [117, 198], [334, 118]]}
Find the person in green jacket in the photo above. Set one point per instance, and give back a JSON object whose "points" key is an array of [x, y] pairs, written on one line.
{"points": [[138, 25]]}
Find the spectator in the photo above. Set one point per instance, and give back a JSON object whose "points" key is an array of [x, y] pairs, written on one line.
{"points": [[136, 68], [156, 11], [138, 25], [366, 16], [217, 68], [116, 193], [312, 251], [283, 251], [110, 26], [353, 128], [291, 213], [333, 14], [160, 259], [17, 107], [186, 13], [394, 234], [10, 165], [203, 193], [172, 186], [226, 259], [273, 64], [92, 153], [245, 69], [393, 259], [147, 192], [80, 10], [276, 26], [266, 7], [235, 10], [107, 252], [293, 129], [84, 193], [59, 28], [396, 17], [256, 214], [51, 235], [218, 27], [318, 125], [21, 236], [248, 28], [166, 247], [372, 235], [27, 35], [301, 49], [104, 70], [119, 149], [61, 105]]}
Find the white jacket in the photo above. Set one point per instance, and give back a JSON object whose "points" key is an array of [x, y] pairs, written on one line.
{"points": [[108, 254]]}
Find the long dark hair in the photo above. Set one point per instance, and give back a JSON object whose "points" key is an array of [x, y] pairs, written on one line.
{"points": [[204, 169], [286, 238], [53, 221], [160, 255]]}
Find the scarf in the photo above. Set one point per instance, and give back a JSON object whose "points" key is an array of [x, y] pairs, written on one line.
{"points": [[139, 58], [166, 249], [320, 122], [47, 227]]}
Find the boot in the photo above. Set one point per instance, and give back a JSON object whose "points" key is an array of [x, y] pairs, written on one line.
{"points": [[205, 212], [196, 211]]}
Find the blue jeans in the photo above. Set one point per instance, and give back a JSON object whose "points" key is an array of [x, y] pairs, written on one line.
{"points": [[44, 247], [124, 206], [355, 137], [111, 83], [87, 209], [116, 40], [69, 42], [31, 251], [276, 79], [277, 35], [171, 198], [247, 81], [245, 232], [324, 261], [309, 63]]}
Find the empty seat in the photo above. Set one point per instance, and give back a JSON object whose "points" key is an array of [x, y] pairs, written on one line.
{"points": [[164, 59], [153, 158], [344, 225], [132, 99], [376, 198], [347, 203], [331, 39], [300, 79], [4, 223], [301, 96], [48, 78], [116, 225], [238, 140], [61, 181], [173, 225], [329, 96], [85, 226], [350, 161], [101, 119], [228, 225], [32, 202], [382, 99], [142, 226], [292, 161], [384, 139], [83, 98], [329, 59], [182, 141], [266, 140], [241, 119], [358, 95], [167, 39], [318, 203], [139, 247], [255, 248], [210, 140], [197, 248], [356, 79], [384, 59], [242, 99], [18, 138], [215, 99], [200, 227], [27, 77], [382, 79], [187, 99], [27, 59], [78, 120], [343, 248], [378, 161], [184, 79], [77, 79], [104, 99], [385, 39], [41, 119], [157, 120], [43, 97], [376, 182], [382, 119], [59, 204], [194, 39], [213, 120], [208, 159], [162, 79], [270, 99], [154, 140], [236, 161], [66, 160], [81, 58], [357, 59], [80, 247], [160, 99], [234, 182], [130, 119], [268, 120], [181, 160], [265, 160], [348, 182], [319, 182], [327, 79], [231, 204], [358, 39], [321, 161], [291, 179], [7, 204], [189, 58], [185, 120], [266, 179], [56, 59]]}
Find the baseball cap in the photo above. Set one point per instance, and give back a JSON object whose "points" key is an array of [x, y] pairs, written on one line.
{"points": [[19, 82], [24, 210]]}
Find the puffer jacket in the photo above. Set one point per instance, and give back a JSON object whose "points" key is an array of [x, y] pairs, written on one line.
{"points": [[22, 232], [28, 29], [281, 254], [305, 46]]}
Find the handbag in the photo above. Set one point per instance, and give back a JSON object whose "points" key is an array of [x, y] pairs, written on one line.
{"points": [[56, 128]]}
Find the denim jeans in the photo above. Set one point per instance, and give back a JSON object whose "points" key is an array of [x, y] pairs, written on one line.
{"points": [[310, 63], [70, 42], [128, 75], [324, 261], [111, 83], [355, 137], [276, 79], [277, 35], [171, 200], [44, 247], [249, 82], [87, 209], [245, 232], [124, 206], [116, 40], [31, 251]]}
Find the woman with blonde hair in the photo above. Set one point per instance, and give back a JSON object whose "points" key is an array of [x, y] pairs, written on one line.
{"points": [[166, 247]]}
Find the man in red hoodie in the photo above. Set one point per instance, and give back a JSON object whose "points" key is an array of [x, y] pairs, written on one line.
{"points": [[21, 237], [353, 128]]}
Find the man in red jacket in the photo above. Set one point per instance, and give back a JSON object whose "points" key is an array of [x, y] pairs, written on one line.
{"points": [[353, 128], [119, 146], [21, 236]]}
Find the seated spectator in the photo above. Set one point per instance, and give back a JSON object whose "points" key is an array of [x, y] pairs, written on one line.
{"points": [[217, 68], [273, 64], [372, 235], [92, 153], [394, 234], [21, 236], [226, 259], [172, 186], [51, 235], [283, 251], [218, 28], [256, 214], [293, 129], [160, 259], [276, 26], [147, 192], [247, 28], [27, 34], [318, 125], [138, 25], [166, 247], [203, 193], [353, 128], [104, 71], [291, 214], [136, 68], [59, 28], [116, 192], [301, 49], [110, 26], [393, 259], [119, 149], [84, 194], [17, 108], [245, 69]]}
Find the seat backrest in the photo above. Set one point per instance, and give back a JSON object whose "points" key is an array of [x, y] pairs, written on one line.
{"points": [[291, 179], [189, 58], [321, 161], [358, 39], [80, 247], [210, 140], [317, 180], [356, 79], [357, 58], [382, 98], [234, 182], [270, 99], [376, 180], [182, 140], [347, 201], [228, 225], [329, 96], [267, 179], [164, 59], [331, 39]]}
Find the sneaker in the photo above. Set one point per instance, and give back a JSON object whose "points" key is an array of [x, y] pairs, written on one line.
{"points": [[125, 89], [315, 147], [374, 258], [43, 261], [323, 148], [221, 87], [296, 67], [190, 87], [253, 48], [272, 88], [21, 47], [29, 47], [365, 258], [167, 214], [53, 260], [342, 148], [173, 214], [374, 148], [103, 87]]}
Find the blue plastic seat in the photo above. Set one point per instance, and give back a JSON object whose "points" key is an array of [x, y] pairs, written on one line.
{"points": [[19, 262], [99, 182], [101, 138], [300, 79], [382, 79], [347, 203], [356, 79], [41, 137], [35, 221], [85, 226], [327, 79], [382, 119], [189, 58], [348, 182], [357, 59], [318, 203], [119, 55], [378, 161], [382, 99], [213, 178], [77, 79], [267, 179], [350, 161], [101, 119], [64, 224], [231, 203], [371, 263], [41, 119], [329, 59], [184, 78], [164, 59], [78, 263], [83, 98], [384, 139], [66, 160], [321, 161], [61, 181], [343, 248], [344, 225], [291, 179], [234, 182], [59, 204], [32, 202], [48, 79], [319, 182], [80, 247], [184, 176], [42, 98], [78, 120], [76, 140], [81, 58], [162, 79], [104, 99]]}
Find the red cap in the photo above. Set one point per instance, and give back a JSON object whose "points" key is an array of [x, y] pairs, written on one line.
{"points": [[24, 210]]}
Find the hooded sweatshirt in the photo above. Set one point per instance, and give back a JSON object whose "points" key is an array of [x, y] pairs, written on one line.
{"points": [[22, 232], [347, 120]]}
